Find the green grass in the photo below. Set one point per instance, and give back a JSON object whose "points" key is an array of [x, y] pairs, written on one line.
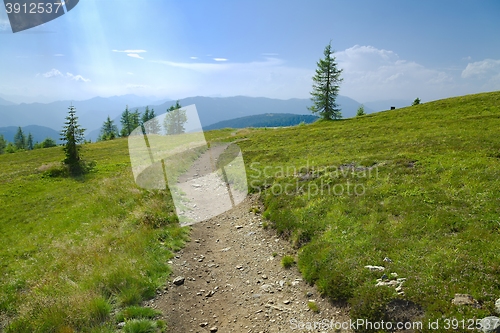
{"points": [[73, 249], [420, 185], [287, 261]]}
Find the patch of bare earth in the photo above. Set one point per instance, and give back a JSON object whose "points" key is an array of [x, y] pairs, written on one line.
{"points": [[234, 281]]}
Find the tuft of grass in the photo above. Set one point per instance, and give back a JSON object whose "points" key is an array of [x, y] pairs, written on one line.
{"points": [[137, 312], [140, 326], [313, 306], [287, 261]]}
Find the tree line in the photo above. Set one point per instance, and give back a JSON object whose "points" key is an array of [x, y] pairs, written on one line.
{"points": [[173, 123], [23, 142]]}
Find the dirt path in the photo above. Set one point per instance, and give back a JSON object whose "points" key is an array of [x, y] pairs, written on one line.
{"points": [[233, 280]]}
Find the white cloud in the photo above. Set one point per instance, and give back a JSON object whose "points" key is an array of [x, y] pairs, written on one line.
{"points": [[487, 68], [130, 73], [77, 77], [194, 58], [130, 51], [53, 73], [133, 55], [270, 77], [220, 59], [56, 73], [375, 74]]}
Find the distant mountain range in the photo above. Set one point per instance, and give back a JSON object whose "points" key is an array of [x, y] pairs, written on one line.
{"points": [[263, 120], [5, 102], [211, 110]]}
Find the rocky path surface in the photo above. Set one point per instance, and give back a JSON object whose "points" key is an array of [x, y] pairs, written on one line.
{"points": [[229, 278]]}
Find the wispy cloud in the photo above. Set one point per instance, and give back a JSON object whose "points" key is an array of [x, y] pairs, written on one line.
{"points": [[77, 77], [53, 73], [220, 65], [482, 69], [130, 51], [220, 59], [56, 73], [134, 55], [58, 55], [194, 58], [373, 74]]}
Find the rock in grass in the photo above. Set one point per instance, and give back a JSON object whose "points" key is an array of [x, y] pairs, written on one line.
{"points": [[497, 306], [490, 324], [179, 280], [375, 268], [464, 299]]}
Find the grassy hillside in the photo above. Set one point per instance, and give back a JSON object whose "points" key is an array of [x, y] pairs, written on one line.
{"points": [[75, 250], [264, 120], [419, 185]]}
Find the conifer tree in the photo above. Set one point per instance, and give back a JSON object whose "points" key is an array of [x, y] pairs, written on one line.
{"points": [[326, 87], [19, 139], [72, 136], [29, 142], [109, 131]]}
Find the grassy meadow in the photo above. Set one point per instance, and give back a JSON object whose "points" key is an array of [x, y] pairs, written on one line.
{"points": [[75, 250], [419, 185]]}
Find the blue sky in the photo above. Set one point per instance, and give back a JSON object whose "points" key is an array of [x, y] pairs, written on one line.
{"points": [[175, 49]]}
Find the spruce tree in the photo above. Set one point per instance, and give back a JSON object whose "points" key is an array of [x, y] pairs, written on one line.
{"points": [[150, 123], [326, 87], [72, 135], [19, 139], [175, 119], [125, 121], [109, 131], [29, 142], [3, 144]]}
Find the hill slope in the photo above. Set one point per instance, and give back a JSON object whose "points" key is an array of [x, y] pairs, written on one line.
{"points": [[264, 120], [418, 185]]}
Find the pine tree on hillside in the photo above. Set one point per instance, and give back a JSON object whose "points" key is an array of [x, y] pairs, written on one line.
{"points": [[175, 119], [72, 136], [20, 139], [150, 123], [3, 144], [109, 131], [125, 121], [29, 142], [135, 119], [326, 87]]}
